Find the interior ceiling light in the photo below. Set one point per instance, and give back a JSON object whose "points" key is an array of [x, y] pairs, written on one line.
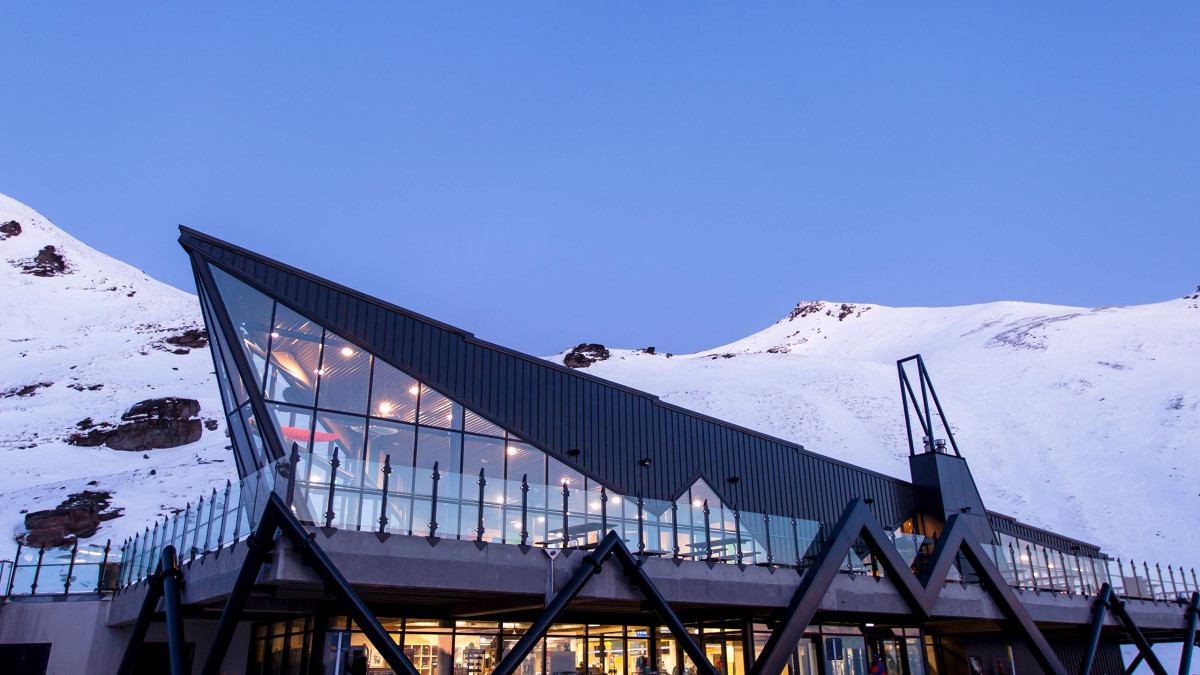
{"points": [[346, 351], [511, 451], [414, 390], [385, 407]]}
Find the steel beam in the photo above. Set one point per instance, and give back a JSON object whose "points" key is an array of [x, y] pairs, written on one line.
{"points": [[164, 584], [1143, 645], [858, 521], [1099, 610], [1189, 635]]}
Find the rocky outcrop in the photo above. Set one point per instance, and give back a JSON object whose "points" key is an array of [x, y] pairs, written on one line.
{"points": [[10, 229], [79, 516], [150, 424], [47, 263], [26, 390], [585, 355], [193, 338]]}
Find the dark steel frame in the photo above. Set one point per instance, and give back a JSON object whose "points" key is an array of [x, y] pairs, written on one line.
{"points": [[857, 522], [922, 409], [166, 585]]}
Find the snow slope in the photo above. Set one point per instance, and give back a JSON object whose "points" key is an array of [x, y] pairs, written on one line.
{"points": [[1080, 420], [1083, 421], [96, 325]]}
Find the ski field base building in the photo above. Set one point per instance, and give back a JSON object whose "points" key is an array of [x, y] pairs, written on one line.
{"points": [[434, 504]]}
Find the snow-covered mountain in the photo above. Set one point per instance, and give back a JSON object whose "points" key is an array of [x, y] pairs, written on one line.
{"points": [[89, 342], [1081, 420]]}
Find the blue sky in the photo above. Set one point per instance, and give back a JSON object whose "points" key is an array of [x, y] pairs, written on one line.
{"points": [[667, 174]]}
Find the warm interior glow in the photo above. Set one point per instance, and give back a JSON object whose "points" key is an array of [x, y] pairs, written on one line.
{"points": [[385, 408], [346, 351], [414, 390], [512, 451], [274, 334], [697, 503]]}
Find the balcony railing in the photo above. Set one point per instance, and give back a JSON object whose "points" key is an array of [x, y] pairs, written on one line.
{"points": [[390, 499]]}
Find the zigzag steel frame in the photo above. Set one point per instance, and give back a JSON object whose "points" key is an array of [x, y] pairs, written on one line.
{"points": [[856, 521]]}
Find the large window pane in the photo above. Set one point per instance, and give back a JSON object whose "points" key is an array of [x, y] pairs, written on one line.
{"points": [[295, 359], [250, 314], [439, 411], [345, 432], [475, 424], [438, 446], [393, 394], [525, 460], [345, 375], [292, 424]]}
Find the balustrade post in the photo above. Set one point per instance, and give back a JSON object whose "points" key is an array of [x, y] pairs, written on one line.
{"points": [[1194, 584], [196, 528], [433, 525], [293, 466], [1174, 586], [237, 519], [1032, 570], [524, 509], [1062, 562], [1146, 567], [796, 541], [383, 505], [641, 535], [565, 494], [1012, 556], [37, 571], [212, 502], [675, 530], [13, 574], [603, 512], [333, 469], [1049, 567], [767, 525], [224, 516], [174, 518], [479, 527], [1079, 572], [71, 568], [1161, 585], [1121, 572], [737, 534], [707, 533], [103, 564]]}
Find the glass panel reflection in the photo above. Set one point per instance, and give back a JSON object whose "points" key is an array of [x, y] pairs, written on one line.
{"points": [[393, 394], [344, 376], [250, 314], [439, 411], [295, 359]]}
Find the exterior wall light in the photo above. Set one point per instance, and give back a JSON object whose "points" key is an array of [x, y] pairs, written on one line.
{"points": [[644, 461]]}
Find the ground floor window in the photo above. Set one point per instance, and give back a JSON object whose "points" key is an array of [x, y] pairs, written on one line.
{"points": [[454, 647]]}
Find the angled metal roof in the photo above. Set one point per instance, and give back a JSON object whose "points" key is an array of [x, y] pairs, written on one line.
{"points": [[615, 428]]}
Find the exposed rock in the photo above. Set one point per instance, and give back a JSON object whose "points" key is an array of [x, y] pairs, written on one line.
{"points": [[79, 515], [10, 229], [85, 387], [193, 338], [47, 263], [153, 423], [585, 355], [803, 309], [647, 350], [211, 425], [27, 390]]}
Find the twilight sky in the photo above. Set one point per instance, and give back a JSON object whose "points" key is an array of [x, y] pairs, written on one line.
{"points": [[669, 174]]}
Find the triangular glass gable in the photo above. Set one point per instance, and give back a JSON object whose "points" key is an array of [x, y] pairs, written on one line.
{"points": [[249, 447]]}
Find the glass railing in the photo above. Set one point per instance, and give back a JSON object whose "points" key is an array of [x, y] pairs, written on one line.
{"points": [[381, 497], [61, 570]]}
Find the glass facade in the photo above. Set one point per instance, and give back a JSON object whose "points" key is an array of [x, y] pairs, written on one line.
{"points": [[469, 647], [357, 420]]}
